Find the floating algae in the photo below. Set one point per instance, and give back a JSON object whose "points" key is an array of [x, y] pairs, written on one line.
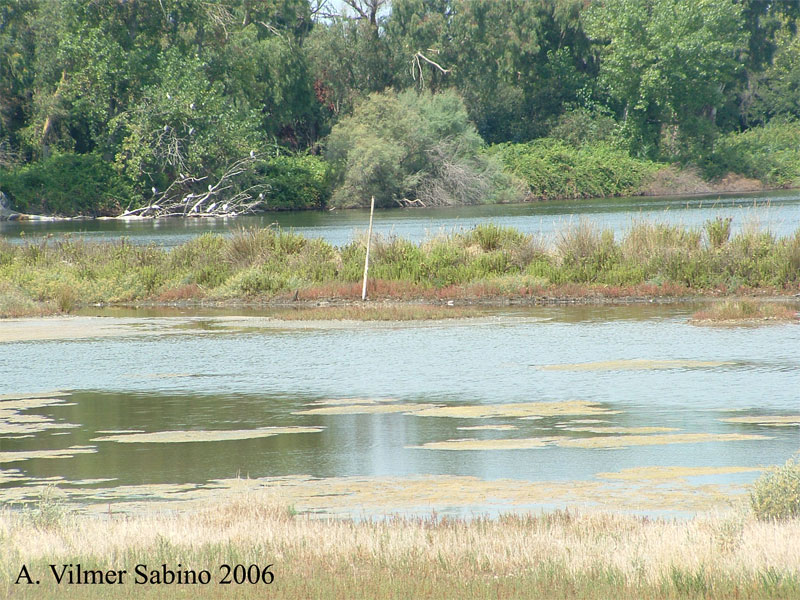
{"points": [[53, 395], [519, 409], [172, 437], [636, 364], [623, 441], [622, 429], [9, 457], [349, 401], [618, 441], [672, 473], [359, 495], [774, 421], [11, 475], [115, 431], [488, 428], [13, 422], [503, 444], [362, 409]]}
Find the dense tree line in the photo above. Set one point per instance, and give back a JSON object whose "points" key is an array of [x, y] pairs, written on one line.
{"points": [[171, 94]]}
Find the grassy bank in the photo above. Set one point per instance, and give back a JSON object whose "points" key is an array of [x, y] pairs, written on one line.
{"points": [[556, 555], [487, 262]]}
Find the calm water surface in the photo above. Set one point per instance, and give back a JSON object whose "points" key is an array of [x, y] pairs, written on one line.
{"points": [[777, 211], [209, 377]]}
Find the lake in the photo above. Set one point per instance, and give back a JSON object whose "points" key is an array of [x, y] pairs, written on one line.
{"points": [[615, 407]]}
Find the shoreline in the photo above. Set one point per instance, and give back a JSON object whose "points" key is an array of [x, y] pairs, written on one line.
{"points": [[700, 192], [410, 308], [230, 316]]}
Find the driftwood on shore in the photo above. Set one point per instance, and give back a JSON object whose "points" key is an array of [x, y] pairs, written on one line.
{"points": [[8, 214], [223, 197]]}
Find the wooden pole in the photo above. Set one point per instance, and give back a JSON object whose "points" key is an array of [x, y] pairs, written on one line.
{"points": [[366, 259]]}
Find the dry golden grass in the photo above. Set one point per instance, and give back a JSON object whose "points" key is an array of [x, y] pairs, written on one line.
{"points": [[556, 555]]}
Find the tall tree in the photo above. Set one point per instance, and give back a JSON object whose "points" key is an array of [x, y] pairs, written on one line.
{"points": [[668, 62], [516, 63]]}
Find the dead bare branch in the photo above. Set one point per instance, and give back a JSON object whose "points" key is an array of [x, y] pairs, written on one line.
{"points": [[367, 9], [322, 9], [416, 68], [221, 198]]}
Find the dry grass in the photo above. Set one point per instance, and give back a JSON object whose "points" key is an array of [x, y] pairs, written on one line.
{"points": [[556, 555], [745, 311]]}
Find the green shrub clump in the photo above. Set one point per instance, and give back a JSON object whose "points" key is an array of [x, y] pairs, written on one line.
{"points": [[413, 147], [554, 169], [296, 182], [770, 154], [68, 185], [776, 494]]}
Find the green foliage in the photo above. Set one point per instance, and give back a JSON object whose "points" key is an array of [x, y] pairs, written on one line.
{"points": [[776, 494], [296, 182], [553, 169], [718, 231], [667, 62], [580, 126], [770, 153], [63, 275], [515, 63], [348, 61], [184, 124], [410, 146], [776, 91], [67, 184], [162, 88]]}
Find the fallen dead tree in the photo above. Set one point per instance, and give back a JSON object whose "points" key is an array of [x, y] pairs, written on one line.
{"points": [[229, 195]]}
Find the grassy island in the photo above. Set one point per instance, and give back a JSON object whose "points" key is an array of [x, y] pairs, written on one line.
{"points": [[487, 264]]}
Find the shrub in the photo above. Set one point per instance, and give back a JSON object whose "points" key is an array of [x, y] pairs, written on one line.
{"points": [[776, 494], [581, 126], [67, 184], [770, 153], [296, 182], [718, 231], [554, 169], [412, 146]]}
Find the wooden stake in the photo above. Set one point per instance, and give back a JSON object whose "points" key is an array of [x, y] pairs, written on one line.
{"points": [[366, 259]]}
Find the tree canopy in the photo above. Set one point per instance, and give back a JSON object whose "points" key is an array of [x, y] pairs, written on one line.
{"points": [[168, 89]]}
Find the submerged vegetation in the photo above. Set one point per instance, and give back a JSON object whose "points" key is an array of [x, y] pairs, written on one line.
{"points": [[486, 262], [561, 554]]}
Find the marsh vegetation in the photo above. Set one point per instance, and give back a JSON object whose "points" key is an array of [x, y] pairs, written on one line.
{"points": [[562, 554], [486, 262]]}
